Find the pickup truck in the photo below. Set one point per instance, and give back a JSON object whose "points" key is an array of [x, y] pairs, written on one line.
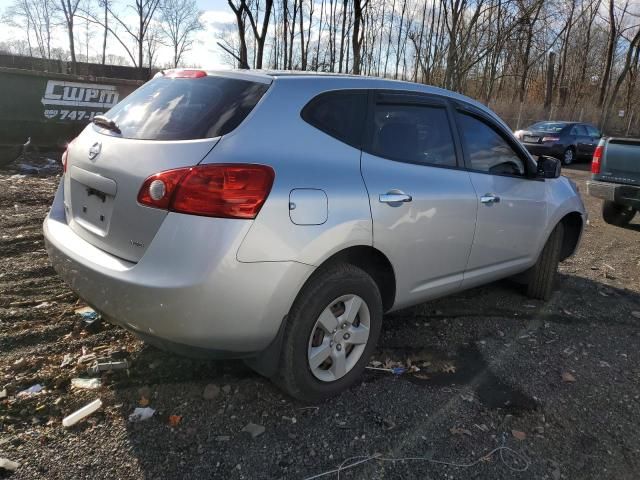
{"points": [[615, 179]]}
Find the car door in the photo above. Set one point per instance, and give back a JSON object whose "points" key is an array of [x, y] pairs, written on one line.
{"points": [[582, 140], [423, 205], [512, 207], [594, 137]]}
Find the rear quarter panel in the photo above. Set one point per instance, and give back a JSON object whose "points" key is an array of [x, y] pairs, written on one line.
{"points": [[303, 157]]}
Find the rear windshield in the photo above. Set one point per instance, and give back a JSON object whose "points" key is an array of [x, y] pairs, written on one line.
{"points": [[185, 108], [548, 126]]}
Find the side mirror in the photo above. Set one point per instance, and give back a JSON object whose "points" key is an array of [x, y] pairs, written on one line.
{"points": [[548, 167]]}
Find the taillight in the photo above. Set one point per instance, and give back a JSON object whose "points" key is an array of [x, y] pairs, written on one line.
{"points": [[157, 190], [595, 162], [64, 160], [227, 191], [65, 156], [550, 139]]}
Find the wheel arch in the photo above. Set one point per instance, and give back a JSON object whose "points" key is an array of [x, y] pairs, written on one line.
{"points": [[372, 261], [573, 224]]}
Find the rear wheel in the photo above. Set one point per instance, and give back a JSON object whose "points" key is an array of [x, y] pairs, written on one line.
{"points": [[568, 156], [616, 214], [543, 273], [331, 332]]}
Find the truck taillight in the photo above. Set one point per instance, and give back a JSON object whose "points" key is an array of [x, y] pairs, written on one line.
{"points": [[226, 191], [595, 162]]}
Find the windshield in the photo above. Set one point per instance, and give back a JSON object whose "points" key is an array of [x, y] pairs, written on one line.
{"points": [[185, 108], [548, 126]]}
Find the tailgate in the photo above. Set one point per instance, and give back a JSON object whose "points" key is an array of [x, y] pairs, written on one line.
{"points": [[621, 161], [100, 193]]}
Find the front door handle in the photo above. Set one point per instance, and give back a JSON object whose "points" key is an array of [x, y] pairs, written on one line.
{"points": [[394, 196], [489, 198]]}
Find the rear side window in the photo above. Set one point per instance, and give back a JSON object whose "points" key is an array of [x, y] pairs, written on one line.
{"points": [[340, 114], [487, 150], [414, 134], [185, 108]]}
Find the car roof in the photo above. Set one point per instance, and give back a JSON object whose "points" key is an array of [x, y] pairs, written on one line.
{"points": [[346, 80]]}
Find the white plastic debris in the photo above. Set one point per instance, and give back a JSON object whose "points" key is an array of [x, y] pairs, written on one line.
{"points": [[86, 383], [84, 412], [67, 360], [37, 388], [107, 365], [9, 465], [141, 414]]}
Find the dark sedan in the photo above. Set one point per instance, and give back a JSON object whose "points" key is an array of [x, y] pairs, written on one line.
{"points": [[567, 141]]}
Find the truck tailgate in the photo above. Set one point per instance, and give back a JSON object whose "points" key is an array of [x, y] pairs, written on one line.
{"points": [[621, 161]]}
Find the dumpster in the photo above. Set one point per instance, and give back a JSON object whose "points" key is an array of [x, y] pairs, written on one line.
{"points": [[50, 109]]}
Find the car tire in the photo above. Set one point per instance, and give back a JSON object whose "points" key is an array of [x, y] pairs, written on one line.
{"points": [[568, 156], [543, 273], [616, 214], [330, 294]]}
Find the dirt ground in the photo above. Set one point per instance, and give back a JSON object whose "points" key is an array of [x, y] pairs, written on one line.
{"points": [[558, 383]]}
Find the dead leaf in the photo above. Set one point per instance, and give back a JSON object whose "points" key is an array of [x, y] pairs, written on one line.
{"points": [[635, 314], [519, 435], [568, 377], [174, 420], [460, 431], [448, 368], [421, 376]]}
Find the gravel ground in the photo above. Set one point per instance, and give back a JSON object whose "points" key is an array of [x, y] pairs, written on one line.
{"points": [[558, 382]]}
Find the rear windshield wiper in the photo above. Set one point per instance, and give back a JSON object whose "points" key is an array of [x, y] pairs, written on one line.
{"points": [[107, 123]]}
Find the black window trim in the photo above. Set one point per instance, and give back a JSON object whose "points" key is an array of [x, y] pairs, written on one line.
{"points": [[527, 159], [401, 97], [339, 91]]}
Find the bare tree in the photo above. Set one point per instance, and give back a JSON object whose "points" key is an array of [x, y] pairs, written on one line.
{"points": [[144, 11], [105, 5], [179, 20], [260, 35], [239, 12], [36, 17], [69, 8]]}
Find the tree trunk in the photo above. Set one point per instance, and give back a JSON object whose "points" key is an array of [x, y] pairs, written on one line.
{"points": [[356, 40], [343, 32], [611, 47], [106, 32]]}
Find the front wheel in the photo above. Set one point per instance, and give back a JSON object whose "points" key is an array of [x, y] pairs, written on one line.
{"points": [[616, 214], [331, 332], [543, 273]]}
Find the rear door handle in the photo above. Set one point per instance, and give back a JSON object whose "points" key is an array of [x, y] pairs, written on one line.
{"points": [[394, 197], [489, 198]]}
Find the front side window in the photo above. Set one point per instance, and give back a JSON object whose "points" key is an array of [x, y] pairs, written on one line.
{"points": [[413, 133], [487, 150], [340, 114], [578, 130], [593, 131]]}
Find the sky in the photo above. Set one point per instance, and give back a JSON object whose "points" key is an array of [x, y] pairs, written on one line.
{"points": [[205, 52]]}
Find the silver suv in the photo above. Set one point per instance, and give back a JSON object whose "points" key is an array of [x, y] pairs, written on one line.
{"points": [[275, 216]]}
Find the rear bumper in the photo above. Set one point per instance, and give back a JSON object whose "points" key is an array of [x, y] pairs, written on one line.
{"points": [[628, 195], [536, 149], [188, 290]]}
